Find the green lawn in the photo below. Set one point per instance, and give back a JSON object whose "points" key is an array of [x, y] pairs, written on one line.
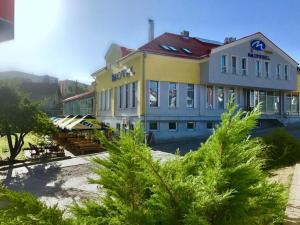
{"points": [[4, 150]]}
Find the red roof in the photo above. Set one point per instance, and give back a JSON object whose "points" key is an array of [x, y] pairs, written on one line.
{"points": [[125, 51], [198, 48], [7, 10]]}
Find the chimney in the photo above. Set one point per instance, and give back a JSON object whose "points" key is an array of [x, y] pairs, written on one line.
{"points": [[229, 40], [185, 34], [151, 30]]}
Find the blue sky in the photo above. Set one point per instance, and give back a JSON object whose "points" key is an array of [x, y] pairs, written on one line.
{"points": [[69, 38]]}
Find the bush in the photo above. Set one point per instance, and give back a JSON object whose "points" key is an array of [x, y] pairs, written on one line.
{"points": [[23, 208], [222, 183], [283, 149]]}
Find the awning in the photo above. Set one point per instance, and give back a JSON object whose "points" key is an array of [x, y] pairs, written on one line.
{"points": [[58, 122], [85, 123], [68, 121]]}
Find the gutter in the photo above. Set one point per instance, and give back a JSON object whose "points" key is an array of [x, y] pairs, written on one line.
{"points": [[145, 96]]}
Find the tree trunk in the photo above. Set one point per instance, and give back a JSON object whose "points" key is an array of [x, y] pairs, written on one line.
{"points": [[15, 148]]}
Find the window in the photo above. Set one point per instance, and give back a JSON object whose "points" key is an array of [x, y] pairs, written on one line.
{"points": [[103, 101], [165, 47], [244, 66], [224, 63], [133, 95], [100, 101], [286, 72], [257, 68], [109, 99], [262, 100], [292, 103], [172, 126], [231, 94], [220, 98], [186, 50], [153, 125], [209, 125], [172, 48], [120, 97], [154, 92], [131, 126], [190, 125], [118, 126], [233, 64], [190, 96], [272, 105], [267, 69], [209, 100], [278, 71], [126, 95], [172, 95]]}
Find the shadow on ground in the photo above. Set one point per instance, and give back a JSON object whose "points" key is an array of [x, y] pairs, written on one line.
{"points": [[40, 180]]}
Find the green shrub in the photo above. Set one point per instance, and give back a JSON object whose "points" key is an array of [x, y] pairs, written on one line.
{"points": [[18, 208], [283, 149], [222, 183]]}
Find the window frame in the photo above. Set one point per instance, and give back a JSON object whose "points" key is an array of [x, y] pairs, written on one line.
{"points": [[278, 71], [158, 93], [187, 95], [267, 73], [176, 125], [212, 97], [176, 91], [225, 68], [194, 125], [236, 64], [286, 71], [157, 125], [246, 65], [258, 72]]}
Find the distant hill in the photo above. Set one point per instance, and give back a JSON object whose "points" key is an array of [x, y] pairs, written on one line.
{"points": [[16, 75]]}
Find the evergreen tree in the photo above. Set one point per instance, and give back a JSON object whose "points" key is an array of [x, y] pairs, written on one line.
{"points": [[222, 183]]}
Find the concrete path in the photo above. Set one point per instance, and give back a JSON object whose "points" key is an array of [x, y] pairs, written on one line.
{"points": [[293, 207], [61, 182]]}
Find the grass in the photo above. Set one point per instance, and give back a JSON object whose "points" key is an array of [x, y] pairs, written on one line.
{"points": [[4, 150]]}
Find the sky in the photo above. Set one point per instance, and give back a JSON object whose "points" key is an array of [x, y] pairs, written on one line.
{"points": [[69, 38]]}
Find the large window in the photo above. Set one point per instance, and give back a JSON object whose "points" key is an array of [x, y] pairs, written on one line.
{"points": [[269, 100], [278, 71], [220, 98], [109, 99], [126, 95], [224, 63], [286, 72], [233, 64], [272, 105], [190, 96], [209, 97], [257, 68], [172, 95], [172, 126], [262, 100], [133, 95], [267, 69], [292, 103], [231, 94], [120, 97], [154, 93], [244, 66]]}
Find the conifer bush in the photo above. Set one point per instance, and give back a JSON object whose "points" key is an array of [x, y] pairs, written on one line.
{"points": [[18, 208], [222, 183], [283, 149]]}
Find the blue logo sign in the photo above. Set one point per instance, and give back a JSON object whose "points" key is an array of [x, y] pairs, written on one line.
{"points": [[258, 45], [122, 74]]}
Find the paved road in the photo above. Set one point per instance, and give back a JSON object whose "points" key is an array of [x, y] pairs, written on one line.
{"points": [[59, 182]]}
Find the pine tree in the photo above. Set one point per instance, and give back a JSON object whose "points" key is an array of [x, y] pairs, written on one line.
{"points": [[222, 183]]}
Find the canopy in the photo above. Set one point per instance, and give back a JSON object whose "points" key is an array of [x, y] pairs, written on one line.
{"points": [[63, 124], [84, 123], [58, 122]]}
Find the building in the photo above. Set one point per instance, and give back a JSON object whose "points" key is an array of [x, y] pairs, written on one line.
{"points": [[7, 9], [81, 104], [178, 85], [70, 88]]}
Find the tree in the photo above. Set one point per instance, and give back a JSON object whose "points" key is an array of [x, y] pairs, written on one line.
{"points": [[222, 183], [18, 117]]}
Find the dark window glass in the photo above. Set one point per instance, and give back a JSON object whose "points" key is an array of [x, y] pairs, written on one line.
{"points": [[172, 125], [153, 95], [190, 125], [209, 125], [153, 125]]}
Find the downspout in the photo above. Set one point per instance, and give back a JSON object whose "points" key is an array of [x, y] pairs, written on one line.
{"points": [[144, 96]]}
